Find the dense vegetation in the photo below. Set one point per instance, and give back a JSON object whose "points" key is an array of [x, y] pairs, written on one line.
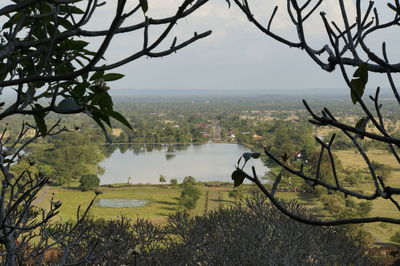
{"points": [[257, 122], [251, 234]]}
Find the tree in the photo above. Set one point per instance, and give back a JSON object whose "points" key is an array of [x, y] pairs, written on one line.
{"points": [[348, 45], [70, 156], [162, 179], [46, 62], [89, 182], [189, 197], [189, 181], [174, 181]]}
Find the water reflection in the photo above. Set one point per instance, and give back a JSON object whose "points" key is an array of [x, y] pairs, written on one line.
{"points": [[145, 163], [170, 156], [121, 203]]}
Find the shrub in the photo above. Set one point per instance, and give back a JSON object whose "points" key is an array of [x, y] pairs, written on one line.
{"points": [[189, 197], [162, 179], [236, 194], [88, 182], [255, 233]]}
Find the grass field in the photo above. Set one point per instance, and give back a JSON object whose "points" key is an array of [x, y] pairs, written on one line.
{"points": [[381, 232], [163, 199]]}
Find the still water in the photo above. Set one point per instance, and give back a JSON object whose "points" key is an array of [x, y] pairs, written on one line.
{"points": [[121, 203], [145, 164]]}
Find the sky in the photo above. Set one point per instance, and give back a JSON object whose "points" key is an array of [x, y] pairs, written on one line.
{"points": [[237, 56]]}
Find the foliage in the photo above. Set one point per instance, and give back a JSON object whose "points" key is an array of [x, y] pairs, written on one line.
{"points": [[162, 179], [252, 234], [189, 197], [89, 182], [236, 194], [189, 181], [174, 181], [68, 156]]}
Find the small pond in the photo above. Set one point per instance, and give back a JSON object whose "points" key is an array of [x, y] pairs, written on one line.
{"points": [[121, 203]]}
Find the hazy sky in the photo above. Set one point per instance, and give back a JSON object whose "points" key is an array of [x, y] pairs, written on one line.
{"points": [[236, 55]]}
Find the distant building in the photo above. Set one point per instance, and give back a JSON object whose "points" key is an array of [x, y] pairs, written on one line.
{"points": [[203, 125], [298, 156], [231, 136], [205, 135], [257, 137]]}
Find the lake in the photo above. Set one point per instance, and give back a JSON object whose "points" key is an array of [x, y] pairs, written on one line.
{"points": [[144, 164]]}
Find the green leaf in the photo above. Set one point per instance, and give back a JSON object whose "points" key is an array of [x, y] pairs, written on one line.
{"points": [[103, 100], [97, 75], [77, 44], [65, 23], [70, 44], [246, 156], [101, 125], [358, 83], [238, 178], [117, 116], [361, 125], [7, 161], [255, 155], [80, 89], [144, 5], [41, 124], [68, 106], [362, 73], [112, 76], [71, 10], [101, 116]]}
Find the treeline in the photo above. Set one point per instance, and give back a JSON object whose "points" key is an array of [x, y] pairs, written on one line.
{"points": [[272, 122]]}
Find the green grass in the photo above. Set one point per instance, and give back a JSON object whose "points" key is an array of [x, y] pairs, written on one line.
{"points": [[163, 200], [381, 207]]}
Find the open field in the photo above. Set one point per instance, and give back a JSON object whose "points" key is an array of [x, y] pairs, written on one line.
{"points": [[163, 199], [381, 232]]}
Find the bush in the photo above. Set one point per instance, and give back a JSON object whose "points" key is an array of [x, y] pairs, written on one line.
{"points": [[255, 233], [162, 179], [88, 182], [174, 181], [236, 194], [189, 197]]}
